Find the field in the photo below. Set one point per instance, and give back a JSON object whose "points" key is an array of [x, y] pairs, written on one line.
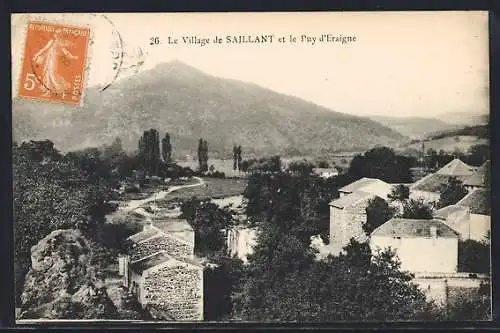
{"points": [[449, 144], [340, 160], [212, 189]]}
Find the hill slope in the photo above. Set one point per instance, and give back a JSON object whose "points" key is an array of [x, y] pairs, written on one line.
{"points": [[415, 127], [176, 98]]}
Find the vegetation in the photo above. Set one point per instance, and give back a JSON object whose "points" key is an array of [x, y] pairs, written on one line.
{"points": [[377, 213], [399, 193], [382, 163], [210, 224], [474, 257], [451, 192], [237, 159], [416, 209], [203, 155], [480, 131]]}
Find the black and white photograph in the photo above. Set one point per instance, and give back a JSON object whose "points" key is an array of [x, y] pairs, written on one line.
{"points": [[290, 167]]}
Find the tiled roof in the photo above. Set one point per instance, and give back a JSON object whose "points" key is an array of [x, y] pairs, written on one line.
{"points": [[352, 187], [478, 201], [479, 177], [433, 182], [143, 235], [448, 210], [350, 199], [456, 168], [411, 228], [151, 261]]}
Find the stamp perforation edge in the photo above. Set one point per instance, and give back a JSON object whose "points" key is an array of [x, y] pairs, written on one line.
{"points": [[25, 20]]}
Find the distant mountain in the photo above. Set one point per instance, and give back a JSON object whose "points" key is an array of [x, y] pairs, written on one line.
{"points": [[415, 127], [465, 118], [189, 104]]}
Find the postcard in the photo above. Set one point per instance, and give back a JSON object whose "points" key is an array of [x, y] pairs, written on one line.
{"points": [[284, 167]]}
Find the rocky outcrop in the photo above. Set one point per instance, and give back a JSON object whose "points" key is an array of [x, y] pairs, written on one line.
{"points": [[62, 283]]}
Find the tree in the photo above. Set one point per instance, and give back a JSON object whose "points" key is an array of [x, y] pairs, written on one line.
{"points": [[149, 151], [166, 149], [399, 193], [378, 212], [239, 159], [474, 257], [382, 163], [210, 224], [478, 154], [323, 164], [203, 155], [416, 209], [285, 283], [304, 168], [235, 157], [451, 192]]}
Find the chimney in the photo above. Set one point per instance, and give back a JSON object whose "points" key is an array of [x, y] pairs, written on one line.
{"points": [[433, 230]]}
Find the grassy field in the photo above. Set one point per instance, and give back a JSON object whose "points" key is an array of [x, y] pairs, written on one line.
{"points": [[213, 188], [341, 160], [449, 144]]}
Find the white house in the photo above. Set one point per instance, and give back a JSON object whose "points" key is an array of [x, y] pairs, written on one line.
{"points": [[428, 246], [326, 172], [470, 217]]}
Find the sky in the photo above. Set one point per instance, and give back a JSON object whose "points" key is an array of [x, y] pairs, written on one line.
{"points": [[402, 64]]}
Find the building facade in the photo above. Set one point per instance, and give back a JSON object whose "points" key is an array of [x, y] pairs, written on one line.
{"points": [[162, 272]]}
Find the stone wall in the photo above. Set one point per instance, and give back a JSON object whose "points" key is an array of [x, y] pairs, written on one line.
{"points": [[174, 247], [177, 289], [346, 224]]}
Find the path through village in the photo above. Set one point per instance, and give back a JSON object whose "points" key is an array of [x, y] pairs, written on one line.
{"points": [[113, 284]]}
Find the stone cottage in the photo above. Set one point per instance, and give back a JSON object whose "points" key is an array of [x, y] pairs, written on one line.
{"points": [[367, 185], [348, 213], [162, 271], [428, 188]]}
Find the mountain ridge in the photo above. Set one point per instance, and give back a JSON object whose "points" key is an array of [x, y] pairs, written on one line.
{"points": [[188, 103]]}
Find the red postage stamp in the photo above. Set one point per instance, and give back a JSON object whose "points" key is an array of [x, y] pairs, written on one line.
{"points": [[54, 64]]}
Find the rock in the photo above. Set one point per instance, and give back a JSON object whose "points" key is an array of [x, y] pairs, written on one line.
{"points": [[61, 283]]}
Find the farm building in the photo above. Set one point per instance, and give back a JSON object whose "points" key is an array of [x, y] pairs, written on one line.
{"points": [[367, 185], [348, 213], [425, 246], [163, 273], [428, 188], [480, 178], [471, 216], [326, 172]]}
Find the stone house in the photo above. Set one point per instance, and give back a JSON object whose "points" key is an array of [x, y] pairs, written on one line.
{"points": [[428, 188], [368, 185], [348, 213], [162, 271]]}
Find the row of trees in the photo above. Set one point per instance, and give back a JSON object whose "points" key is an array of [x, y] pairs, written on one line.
{"points": [[476, 156]]}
